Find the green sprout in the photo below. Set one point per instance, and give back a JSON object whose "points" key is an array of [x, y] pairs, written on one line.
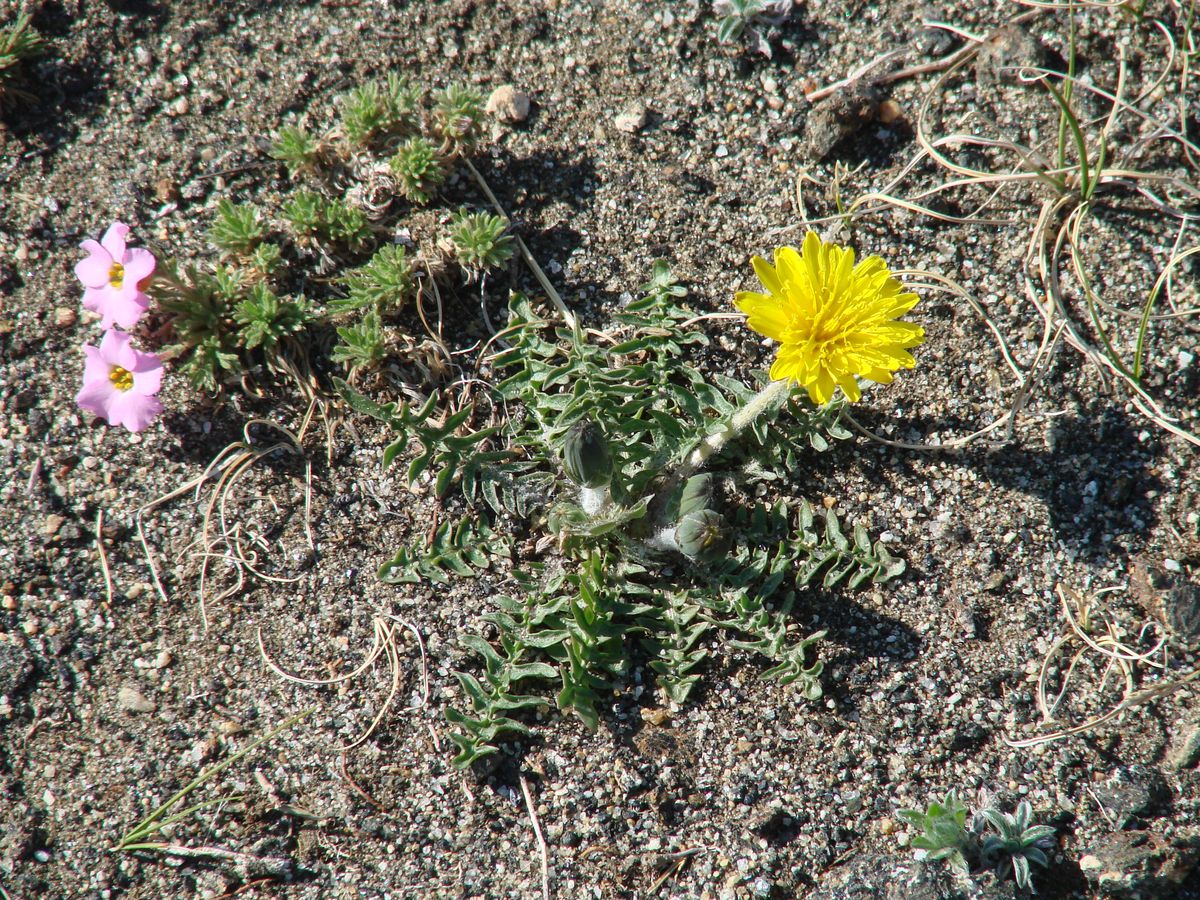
{"points": [[346, 225], [19, 43], [1017, 843], [296, 149], [140, 836], [944, 833], [419, 169], [304, 213], [362, 345], [750, 18], [266, 258], [237, 229], [385, 283], [377, 110], [313, 217], [266, 319], [479, 241], [200, 308], [458, 116]]}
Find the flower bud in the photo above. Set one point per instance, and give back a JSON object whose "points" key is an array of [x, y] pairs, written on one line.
{"points": [[703, 533], [586, 458], [696, 495]]}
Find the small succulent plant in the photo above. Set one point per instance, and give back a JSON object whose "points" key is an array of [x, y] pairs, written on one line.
{"points": [[385, 283], [237, 230], [296, 149], [373, 111], [479, 241], [946, 835], [419, 170]]}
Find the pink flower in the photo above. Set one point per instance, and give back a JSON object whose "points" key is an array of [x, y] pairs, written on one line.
{"points": [[119, 383], [112, 275]]}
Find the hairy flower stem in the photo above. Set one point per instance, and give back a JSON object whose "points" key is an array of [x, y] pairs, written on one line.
{"points": [[715, 443], [768, 397]]}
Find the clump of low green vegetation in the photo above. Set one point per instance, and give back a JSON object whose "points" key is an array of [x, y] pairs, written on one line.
{"points": [[316, 278], [659, 563], [1012, 844]]}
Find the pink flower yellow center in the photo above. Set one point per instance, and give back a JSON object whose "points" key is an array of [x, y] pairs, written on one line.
{"points": [[116, 275], [122, 379]]}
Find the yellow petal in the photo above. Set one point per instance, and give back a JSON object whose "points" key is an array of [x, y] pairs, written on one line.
{"points": [[767, 275]]}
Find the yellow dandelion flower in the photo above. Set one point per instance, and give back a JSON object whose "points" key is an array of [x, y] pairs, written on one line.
{"points": [[833, 319]]}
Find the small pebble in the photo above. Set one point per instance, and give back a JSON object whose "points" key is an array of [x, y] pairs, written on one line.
{"points": [[130, 699], [633, 119], [890, 112], [65, 316], [165, 190], [508, 104]]}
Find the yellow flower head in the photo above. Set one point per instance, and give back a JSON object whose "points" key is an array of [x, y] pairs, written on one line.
{"points": [[833, 319]]}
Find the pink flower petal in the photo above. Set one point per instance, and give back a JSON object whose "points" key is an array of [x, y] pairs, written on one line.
{"points": [[139, 265], [97, 397], [114, 240], [93, 271], [94, 366], [125, 308], [133, 410], [147, 378], [96, 299], [115, 350], [122, 308]]}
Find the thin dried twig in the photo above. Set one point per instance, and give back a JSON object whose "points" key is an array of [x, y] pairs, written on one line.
{"points": [[541, 841]]}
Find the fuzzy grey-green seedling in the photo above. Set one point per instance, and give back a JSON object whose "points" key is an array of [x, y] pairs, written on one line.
{"points": [[944, 832], [1016, 843]]}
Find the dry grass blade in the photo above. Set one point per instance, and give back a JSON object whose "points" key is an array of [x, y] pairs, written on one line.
{"points": [[383, 644], [1082, 620]]}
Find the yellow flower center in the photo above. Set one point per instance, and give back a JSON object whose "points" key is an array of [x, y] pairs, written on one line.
{"points": [[116, 275], [122, 379]]}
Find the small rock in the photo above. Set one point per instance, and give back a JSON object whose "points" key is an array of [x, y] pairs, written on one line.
{"points": [[933, 42], [890, 112], [165, 190], [508, 104], [22, 253], [17, 668], [633, 119], [180, 106], [657, 717], [1140, 864], [53, 522], [1004, 53], [1184, 749], [130, 699], [995, 582], [142, 56], [65, 316], [1181, 610], [1131, 791], [837, 117]]}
